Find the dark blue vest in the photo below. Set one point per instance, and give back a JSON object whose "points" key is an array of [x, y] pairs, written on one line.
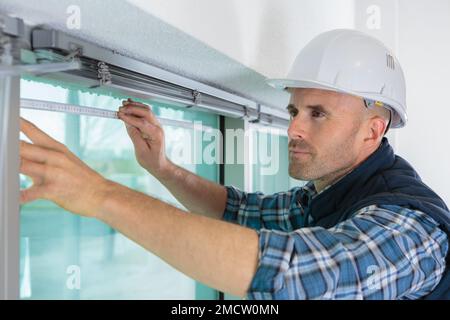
{"points": [[383, 178]]}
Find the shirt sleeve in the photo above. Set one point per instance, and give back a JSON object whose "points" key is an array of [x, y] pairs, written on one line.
{"points": [[234, 199], [385, 252], [256, 211]]}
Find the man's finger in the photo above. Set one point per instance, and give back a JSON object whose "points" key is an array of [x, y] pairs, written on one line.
{"points": [[40, 154], [33, 193], [130, 103], [137, 111], [139, 104], [36, 171], [140, 123], [38, 136], [136, 137], [136, 104]]}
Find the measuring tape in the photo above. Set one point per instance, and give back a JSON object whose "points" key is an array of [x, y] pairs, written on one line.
{"points": [[97, 112], [67, 108]]}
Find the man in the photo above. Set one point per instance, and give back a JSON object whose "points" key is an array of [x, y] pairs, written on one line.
{"points": [[364, 227]]}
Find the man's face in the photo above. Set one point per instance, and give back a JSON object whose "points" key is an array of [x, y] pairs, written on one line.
{"points": [[323, 133]]}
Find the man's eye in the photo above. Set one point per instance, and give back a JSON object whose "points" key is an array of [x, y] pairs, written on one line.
{"points": [[293, 112], [317, 114]]}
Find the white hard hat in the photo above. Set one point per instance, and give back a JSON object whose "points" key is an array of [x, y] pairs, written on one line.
{"points": [[351, 62]]}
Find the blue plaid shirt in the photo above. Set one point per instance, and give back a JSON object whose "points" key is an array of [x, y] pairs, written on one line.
{"points": [[382, 252]]}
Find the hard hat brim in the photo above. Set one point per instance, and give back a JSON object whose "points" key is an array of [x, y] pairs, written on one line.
{"points": [[309, 84], [399, 118]]}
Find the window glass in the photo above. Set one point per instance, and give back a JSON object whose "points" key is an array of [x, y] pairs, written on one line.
{"points": [[64, 256], [270, 162]]}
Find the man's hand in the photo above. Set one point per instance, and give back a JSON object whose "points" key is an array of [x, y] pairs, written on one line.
{"points": [[147, 136], [195, 193], [58, 175]]}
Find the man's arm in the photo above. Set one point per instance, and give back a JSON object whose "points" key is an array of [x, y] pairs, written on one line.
{"points": [[198, 195], [385, 252], [219, 254]]}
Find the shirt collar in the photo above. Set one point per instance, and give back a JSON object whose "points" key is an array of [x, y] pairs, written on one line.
{"points": [[309, 192]]}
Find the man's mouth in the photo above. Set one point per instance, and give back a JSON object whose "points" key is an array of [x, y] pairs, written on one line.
{"points": [[299, 149], [298, 153]]}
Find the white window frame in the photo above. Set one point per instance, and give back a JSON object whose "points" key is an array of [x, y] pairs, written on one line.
{"points": [[9, 187]]}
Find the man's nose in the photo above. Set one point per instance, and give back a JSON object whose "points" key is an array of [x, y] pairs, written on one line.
{"points": [[297, 128]]}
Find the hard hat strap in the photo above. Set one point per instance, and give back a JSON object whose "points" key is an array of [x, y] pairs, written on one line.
{"points": [[389, 123], [369, 103]]}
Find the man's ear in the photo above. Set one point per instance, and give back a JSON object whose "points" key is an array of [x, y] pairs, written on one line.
{"points": [[377, 128]]}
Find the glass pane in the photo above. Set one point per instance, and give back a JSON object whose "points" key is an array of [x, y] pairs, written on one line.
{"points": [[271, 162], [64, 256]]}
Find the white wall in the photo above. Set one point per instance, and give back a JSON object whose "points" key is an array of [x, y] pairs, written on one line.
{"points": [[418, 31], [265, 35], [424, 50]]}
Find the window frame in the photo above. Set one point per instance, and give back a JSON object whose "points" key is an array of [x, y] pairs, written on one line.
{"points": [[9, 187]]}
